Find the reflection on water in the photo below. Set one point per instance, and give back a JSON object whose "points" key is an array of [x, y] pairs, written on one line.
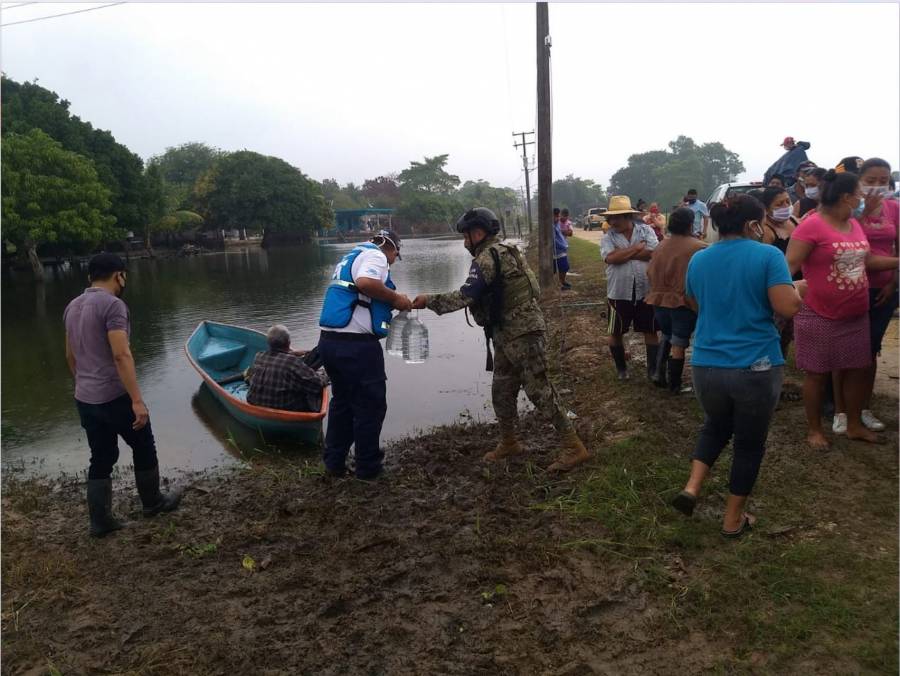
{"points": [[250, 287]]}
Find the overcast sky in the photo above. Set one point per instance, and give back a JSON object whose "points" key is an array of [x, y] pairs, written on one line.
{"points": [[352, 91]]}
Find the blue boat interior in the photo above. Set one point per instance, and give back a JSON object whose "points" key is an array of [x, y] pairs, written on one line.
{"points": [[225, 351]]}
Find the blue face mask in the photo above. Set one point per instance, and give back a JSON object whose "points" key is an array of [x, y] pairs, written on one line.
{"points": [[857, 212]]}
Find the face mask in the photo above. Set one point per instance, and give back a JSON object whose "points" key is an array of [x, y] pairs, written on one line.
{"points": [[781, 214], [692, 200], [813, 192], [882, 190], [121, 287], [756, 231], [857, 212]]}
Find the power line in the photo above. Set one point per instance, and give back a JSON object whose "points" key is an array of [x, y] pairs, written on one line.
{"points": [[53, 16], [21, 4]]}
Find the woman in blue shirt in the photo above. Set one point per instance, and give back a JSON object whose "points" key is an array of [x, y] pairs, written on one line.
{"points": [[737, 286]]}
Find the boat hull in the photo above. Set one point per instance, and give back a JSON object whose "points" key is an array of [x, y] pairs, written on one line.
{"points": [[220, 351]]}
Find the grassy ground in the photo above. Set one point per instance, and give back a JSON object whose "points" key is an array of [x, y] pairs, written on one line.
{"points": [[818, 577], [451, 566]]}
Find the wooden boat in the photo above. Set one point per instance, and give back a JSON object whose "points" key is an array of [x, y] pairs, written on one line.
{"points": [[220, 353]]}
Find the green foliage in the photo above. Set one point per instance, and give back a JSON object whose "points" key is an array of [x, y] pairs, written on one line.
{"points": [[664, 176], [28, 106], [179, 221], [51, 194], [427, 211], [483, 194], [577, 195], [429, 176], [382, 192], [180, 167], [341, 198], [260, 193]]}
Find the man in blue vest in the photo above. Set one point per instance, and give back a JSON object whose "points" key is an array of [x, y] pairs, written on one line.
{"points": [[355, 315]]}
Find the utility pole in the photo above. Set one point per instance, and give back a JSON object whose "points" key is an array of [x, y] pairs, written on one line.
{"points": [[544, 150], [526, 168], [526, 205]]}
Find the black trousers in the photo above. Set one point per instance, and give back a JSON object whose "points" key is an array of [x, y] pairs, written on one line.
{"points": [[739, 404], [355, 365], [104, 424]]}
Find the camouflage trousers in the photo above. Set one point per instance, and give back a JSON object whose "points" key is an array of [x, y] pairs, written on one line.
{"points": [[519, 363]]}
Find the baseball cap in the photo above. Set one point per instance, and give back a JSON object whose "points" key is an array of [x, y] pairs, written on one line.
{"points": [[390, 236], [102, 265], [788, 141]]}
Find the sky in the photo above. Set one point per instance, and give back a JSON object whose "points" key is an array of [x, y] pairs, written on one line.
{"points": [[354, 91]]}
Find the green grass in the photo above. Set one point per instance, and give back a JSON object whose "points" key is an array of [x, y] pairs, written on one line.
{"points": [[808, 594]]}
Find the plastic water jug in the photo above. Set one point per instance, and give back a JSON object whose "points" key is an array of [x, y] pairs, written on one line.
{"points": [[393, 344], [415, 342]]}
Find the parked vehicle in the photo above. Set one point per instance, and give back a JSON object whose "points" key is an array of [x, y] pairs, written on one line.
{"points": [[727, 189], [594, 218]]}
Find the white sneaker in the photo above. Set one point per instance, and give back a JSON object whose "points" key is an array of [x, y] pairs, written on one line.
{"points": [[839, 425], [870, 421]]}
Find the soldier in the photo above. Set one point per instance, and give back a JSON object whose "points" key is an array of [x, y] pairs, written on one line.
{"points": [[502, 292]]}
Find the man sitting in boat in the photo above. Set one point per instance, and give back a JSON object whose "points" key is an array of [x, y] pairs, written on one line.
{"points": [[279, 377]]}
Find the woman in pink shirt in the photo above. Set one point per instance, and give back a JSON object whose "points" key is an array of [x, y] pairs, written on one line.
{"points": [[832, 329], [880, 219]]}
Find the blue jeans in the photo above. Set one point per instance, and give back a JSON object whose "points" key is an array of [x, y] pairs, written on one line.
{"points": [[738, 404], [104, 424], [355, 364], [676, 324]]}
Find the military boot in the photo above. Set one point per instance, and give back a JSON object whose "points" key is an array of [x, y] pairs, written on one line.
{"points": [[509, 446], [574, 453], [99, 499], [152, 501]]}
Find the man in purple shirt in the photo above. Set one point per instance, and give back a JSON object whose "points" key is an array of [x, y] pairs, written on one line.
{"points": [[107, 395]]}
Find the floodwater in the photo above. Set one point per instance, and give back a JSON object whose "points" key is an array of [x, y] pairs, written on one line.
{"points": [[250, 287]]}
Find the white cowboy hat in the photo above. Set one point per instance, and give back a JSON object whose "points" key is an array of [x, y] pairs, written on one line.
{"points": [[620, 204]]}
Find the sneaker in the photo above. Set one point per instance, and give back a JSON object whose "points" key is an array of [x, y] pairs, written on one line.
{"points": [[566, 286], [870, 421], [839, 425]]}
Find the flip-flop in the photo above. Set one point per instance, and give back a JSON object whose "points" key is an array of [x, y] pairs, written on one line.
{"points": [[684, 502], [746, 525]]}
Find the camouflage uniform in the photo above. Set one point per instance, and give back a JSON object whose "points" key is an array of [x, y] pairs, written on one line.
{"points": [[517, 334]]}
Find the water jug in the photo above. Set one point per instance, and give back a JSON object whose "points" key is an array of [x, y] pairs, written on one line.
{"points": [[393, 344], [415, 342]]}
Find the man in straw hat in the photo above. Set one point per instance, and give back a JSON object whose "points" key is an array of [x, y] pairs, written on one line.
{"points": [[626, 249]]}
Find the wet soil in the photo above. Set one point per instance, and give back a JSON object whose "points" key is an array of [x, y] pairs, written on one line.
{"points": [[452, 566]]}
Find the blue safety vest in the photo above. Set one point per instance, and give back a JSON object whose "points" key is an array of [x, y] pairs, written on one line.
{"points": [[343, 296]]}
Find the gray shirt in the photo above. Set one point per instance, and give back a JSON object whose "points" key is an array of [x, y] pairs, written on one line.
{"points": [[628, 280], [88, 318]]}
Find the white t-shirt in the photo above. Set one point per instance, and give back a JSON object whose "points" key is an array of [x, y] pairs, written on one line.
{"points": [[371, 263]]}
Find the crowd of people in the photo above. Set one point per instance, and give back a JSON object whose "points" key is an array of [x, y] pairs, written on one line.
{"points": [[819, 269], [809, 258]]}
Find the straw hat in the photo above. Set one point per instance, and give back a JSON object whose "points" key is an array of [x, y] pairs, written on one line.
{"points": [[619, 204]]}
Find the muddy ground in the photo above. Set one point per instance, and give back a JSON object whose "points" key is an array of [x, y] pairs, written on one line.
{"points": [[450, 566]]}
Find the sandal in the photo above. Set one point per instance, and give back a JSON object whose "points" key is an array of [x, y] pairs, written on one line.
{"points": [[684, 502], [746, 525]]}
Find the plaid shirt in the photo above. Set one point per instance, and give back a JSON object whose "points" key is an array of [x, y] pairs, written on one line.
{"points": [[281, 380]]}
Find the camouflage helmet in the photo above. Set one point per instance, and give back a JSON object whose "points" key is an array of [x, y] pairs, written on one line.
{"points": [[479, 217]]}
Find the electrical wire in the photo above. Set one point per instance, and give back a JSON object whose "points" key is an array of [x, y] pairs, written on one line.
{"points": [[21, 4], [53, 16]]}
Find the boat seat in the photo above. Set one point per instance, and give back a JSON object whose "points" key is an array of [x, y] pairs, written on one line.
{"points": [[221, 354]]}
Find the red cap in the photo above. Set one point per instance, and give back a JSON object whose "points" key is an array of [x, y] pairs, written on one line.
{"points": [[788, 141]]}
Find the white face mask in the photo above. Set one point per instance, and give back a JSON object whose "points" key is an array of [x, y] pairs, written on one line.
{"points": [[882, 190], [781, 214], [812, 192]]}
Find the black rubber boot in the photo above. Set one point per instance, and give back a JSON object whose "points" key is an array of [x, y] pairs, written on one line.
{"points": [[659, 377], [676, 369], [152, 500], [99, 499], [618, 355], [652, 356]]}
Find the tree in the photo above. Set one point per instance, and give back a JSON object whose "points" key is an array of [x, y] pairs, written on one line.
{"points": [[664, 176], [28, 106], [577, 194], [50, 195], [180, 167], [261, 193], [382, 192], [340, 198], [154, 202], [429, 176]]}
